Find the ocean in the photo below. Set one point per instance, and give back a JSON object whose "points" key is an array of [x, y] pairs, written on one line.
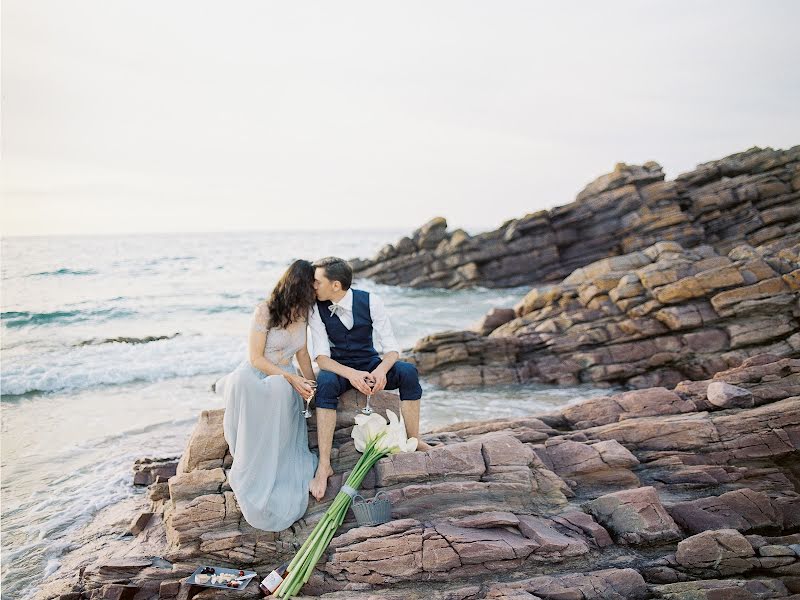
{"points": [[110, 343]]}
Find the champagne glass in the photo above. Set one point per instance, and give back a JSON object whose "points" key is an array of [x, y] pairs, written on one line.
{"points": [[367, 410], [307, 412]]}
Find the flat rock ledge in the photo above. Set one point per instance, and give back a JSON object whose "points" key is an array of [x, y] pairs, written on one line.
{"points": [[751, 197], [659, 493], [654, 317]]}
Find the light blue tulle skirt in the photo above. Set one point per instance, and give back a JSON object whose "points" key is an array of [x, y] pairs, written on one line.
{"points": [[268, 438]]}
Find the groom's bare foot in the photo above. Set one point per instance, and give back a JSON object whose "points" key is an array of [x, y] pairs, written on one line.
{"points": [[422, 446], [319, 484]]}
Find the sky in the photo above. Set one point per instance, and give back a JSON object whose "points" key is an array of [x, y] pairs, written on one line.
{"points": [[136, 117]]}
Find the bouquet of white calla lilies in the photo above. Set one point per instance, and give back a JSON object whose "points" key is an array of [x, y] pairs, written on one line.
{"points": [[374, 438]]}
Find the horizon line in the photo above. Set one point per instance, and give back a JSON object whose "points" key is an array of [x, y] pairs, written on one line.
{"points": [[229, 231]]}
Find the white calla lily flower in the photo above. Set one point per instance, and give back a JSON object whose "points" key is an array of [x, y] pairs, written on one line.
{"points": [[394, 439], [399, 442], [366, 429]]}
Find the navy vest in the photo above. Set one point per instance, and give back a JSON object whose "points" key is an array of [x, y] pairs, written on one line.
{"points": [[350, 345]]}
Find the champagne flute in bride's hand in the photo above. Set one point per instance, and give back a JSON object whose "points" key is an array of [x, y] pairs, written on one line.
{"points": [[313, 385]]}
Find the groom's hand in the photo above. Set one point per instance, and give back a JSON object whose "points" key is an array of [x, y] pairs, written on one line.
{"points": [[358, 379], [379, 379]]}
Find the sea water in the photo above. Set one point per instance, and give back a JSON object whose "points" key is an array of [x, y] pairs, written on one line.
{"points": [[110, 343]]}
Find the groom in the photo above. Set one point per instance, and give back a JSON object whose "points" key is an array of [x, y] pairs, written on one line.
{"points": [[342, 323]]}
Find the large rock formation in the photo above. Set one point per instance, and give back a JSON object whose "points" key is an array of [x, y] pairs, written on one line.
{"points": [[648, 318], [752, 197], [684, 493]]}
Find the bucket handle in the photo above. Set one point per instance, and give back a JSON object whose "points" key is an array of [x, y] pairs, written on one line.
{"points": [[380, 495]]}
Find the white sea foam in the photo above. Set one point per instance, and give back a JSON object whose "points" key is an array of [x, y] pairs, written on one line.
{"points": [[74, 368]]}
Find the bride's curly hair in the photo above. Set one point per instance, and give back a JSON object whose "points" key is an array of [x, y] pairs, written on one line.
{"points": [[293, 295]]}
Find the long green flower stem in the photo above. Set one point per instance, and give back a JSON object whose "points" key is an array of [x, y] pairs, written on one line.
{"points": [[311, 551]]}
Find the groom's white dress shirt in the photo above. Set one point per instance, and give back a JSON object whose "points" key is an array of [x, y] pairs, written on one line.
{"points": [[381, 326]]}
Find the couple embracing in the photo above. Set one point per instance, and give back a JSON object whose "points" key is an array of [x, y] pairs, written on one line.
{"points": [[273, 469]]}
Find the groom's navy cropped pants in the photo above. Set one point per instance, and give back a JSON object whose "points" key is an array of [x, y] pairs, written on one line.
{"points": [[402, 376]]}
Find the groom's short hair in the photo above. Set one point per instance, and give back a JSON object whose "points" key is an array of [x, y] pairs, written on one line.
{"points": [[337, 269]]}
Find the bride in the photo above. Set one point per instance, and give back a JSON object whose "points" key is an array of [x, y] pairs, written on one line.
{"points": [[263, 424]]}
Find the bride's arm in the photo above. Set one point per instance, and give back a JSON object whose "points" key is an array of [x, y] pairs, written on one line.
{"points": [[304, 360]]}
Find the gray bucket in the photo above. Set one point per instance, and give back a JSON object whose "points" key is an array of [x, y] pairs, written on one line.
{"points": [[375, 511]]}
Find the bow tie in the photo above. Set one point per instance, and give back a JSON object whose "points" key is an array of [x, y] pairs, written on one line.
{"points": [[336, 308]]}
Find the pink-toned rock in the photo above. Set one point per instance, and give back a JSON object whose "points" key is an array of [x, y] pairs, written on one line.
{"points": [[117, 569], [549, 539], [148, 471], [727, 589], [687, 316], [437, 554], [360, 534], [476, 546], [206, 448], [466, 460], [745, 510], [488, 520], [494, 319], [635, 516], [772, 430], [597, 411], [608, 584], [391, 554], [505, 450], [117, 591], [639, 403], [403, 468], [725, 551], [187, 486], [583, 523], [615, 455], [725, 395], [691, 431], [652, 401], [606, 463], [139, 522]]}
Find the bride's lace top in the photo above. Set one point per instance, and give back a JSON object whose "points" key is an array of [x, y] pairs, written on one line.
{"points": [[282, 344]]}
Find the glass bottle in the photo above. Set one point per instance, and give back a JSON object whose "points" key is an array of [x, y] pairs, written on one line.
{"points": [[272, 581]]}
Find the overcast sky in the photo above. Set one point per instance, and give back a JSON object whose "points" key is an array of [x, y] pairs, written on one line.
{"points": [[197, 116]]}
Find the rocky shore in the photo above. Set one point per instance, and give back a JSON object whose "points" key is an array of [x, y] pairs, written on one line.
{"points": [[680, 493], [752, 198], [686, 293]]}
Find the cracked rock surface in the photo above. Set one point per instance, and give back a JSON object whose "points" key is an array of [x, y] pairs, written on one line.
{"points": [[660, 494]]}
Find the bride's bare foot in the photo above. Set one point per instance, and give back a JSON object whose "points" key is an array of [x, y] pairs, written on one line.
{"points": [[319, 484], [422, 446]]}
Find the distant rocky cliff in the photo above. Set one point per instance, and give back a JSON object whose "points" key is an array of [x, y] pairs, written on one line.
{"points": [[752, 197]]}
